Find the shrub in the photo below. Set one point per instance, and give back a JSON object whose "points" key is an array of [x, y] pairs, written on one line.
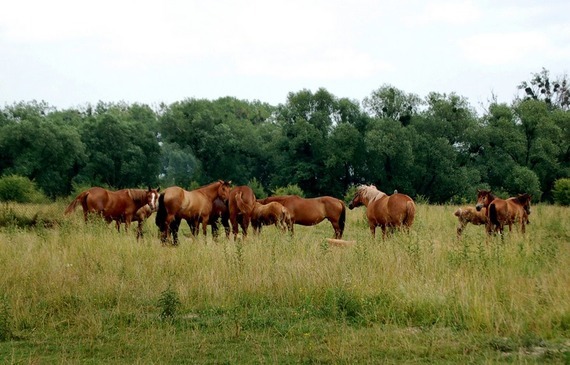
{"points": [[523, 180], [561, 191], [20, 189], [291, 189], [257, 188]]}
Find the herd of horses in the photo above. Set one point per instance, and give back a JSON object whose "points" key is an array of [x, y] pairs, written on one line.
{"points": [[238, 206]]}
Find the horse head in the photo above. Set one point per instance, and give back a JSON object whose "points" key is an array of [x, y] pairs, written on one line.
{"points": [[224, 190], [356, 200], [152, 198], [525, 199], [484, 198]]}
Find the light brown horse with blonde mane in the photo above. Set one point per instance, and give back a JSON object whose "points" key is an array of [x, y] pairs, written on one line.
{"points": [[241, 203], [195, 206], [501, 212], [119, 206], [312, 211], [271, 213], [383, 210], [471, 215]]}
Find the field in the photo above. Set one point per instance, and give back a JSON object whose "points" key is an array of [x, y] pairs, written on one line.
{"points": [[76, 293]]}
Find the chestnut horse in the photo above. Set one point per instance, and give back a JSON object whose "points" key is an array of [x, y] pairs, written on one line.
{"points": [[271, 213], [140, 216], [195, 206], [219, 210], [501, 212], [120, 206], [471, 215], [241, 203], [312, 211], [387, 211]]}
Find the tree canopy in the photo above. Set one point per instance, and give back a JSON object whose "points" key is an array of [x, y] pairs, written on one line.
{"points": [[436, 147]]}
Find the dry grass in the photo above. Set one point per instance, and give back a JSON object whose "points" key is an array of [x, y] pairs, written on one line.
{"points": [[77, 293]]}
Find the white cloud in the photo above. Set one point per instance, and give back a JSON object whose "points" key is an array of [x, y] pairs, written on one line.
{"points": [[447, 13], [503, 48]]}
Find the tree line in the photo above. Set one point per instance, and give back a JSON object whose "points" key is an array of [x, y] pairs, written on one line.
{"points": [[437, 147]]}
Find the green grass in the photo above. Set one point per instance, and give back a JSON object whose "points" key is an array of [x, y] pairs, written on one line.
{"points": [[76, 293]]}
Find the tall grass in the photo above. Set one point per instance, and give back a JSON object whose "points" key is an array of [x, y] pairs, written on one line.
{"points": [[80, 293]]}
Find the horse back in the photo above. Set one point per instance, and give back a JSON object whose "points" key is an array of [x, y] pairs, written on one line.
{"points": [[396, 209]]}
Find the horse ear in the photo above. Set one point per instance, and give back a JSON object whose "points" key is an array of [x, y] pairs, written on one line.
{"points": [[229, 182]]}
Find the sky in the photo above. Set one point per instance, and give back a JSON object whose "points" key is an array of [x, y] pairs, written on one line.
{"points": [[70, 53]]}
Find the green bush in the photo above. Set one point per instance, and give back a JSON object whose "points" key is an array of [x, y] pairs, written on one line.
{"points": [[291, 189], [523, 180], [20, 189], [561, 191], [257, 188]]}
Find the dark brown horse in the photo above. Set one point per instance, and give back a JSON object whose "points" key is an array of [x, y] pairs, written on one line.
{"points": [[221, 211], [194, 206], [271, 213], [241, 203], [471, 215], [119, 206], [501, 212], [308, 212], [387, 211]]}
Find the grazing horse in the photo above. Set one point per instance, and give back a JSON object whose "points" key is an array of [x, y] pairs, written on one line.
{"points": [[195, 206], [501, 212], [120, 206], [386, 211], [140, 216], [470, 215], [309, 212], [271, 213], [241, 203]]}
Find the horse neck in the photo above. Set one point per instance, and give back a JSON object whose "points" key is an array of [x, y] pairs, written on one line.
{"points": [[138, 196], [211, 190], [370, 195]]}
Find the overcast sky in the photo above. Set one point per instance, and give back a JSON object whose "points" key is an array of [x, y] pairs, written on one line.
{"points": [[69, 52]]}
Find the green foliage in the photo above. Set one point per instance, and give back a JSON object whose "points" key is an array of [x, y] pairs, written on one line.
{"points": [[257, 188], [20, 189], [561, 191], [291, 189], [168, 303], [523, 180]]}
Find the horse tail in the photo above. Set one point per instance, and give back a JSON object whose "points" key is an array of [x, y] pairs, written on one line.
{"points": [[410, 213], [342, 218], [493, 219], [242, 205], [161, 213], [79, 199]]}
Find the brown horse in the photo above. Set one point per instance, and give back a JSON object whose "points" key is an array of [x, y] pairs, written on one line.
{"points": [[387, 211], [219, 210], [467, 215], [501, 212], [241, 203], [309, 212], [140, 216], [271, 213], [120, 206], [195, 206]]}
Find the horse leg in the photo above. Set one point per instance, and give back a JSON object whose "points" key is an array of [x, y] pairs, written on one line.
{"points": [[173, 229], [245, 225], [373, 230], [139, 230]]}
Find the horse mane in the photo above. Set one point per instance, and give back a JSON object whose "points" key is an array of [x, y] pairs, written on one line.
{"points": [[138, 195], [370, 192], [523, 198]]}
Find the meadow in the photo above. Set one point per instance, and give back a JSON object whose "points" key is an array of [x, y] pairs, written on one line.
{"points": [[77, 293]]}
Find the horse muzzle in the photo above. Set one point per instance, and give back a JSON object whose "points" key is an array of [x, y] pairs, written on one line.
{"points": [[478, 207]]}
